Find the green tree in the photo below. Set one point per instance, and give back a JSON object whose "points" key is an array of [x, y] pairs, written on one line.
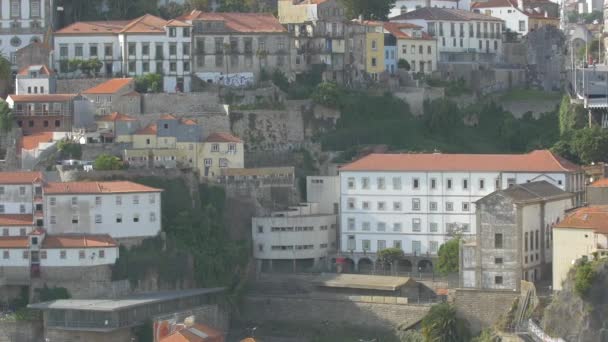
{"points": [[571, 116], [107, 162], [280, 80], [69, 149], [442, 325], [375, 10], [5, 68], [149, 83], [448, 256], [583, 278], [202, 5], [590, 144], [403, 64], [327, 94], [234, 6], [6, 117], [389, 256]]}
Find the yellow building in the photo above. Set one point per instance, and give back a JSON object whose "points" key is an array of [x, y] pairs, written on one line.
{"points": [[582, 233], [219, 151], [374, 48]]}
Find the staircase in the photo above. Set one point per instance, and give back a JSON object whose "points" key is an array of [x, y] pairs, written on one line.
{"points": [[522, 306]]}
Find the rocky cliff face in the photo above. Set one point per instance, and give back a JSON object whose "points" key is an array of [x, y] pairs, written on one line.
{"points": [[576, 318]]}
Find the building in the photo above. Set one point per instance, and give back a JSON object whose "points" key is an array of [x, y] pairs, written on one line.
{"points": [[597, 192], [582, 234], [413, 45], [404, 6], [115, 95], [233, 48], [120, 209], [513, 240], [21, 194], [116, 127], [220, 151], [416, 202], [35, 79], [23, 22], [47, 112], [147, 44], [324, 190], [519, 16], [33, 54], [296, 239], [461, 35], [258, 178], [374, 48], [16, 224]]}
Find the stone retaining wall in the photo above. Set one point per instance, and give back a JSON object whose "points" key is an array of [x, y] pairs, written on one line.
{"points": [[21, 331], [483, 308]]}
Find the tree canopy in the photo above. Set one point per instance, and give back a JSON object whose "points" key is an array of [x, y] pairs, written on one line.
{"points": [[448, 257], [442, 325], [327, 94], [6, 117], [375, 10], [107, 162]]}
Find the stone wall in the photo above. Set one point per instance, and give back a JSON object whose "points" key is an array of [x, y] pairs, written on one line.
{"points": [[77, 85], [181, 103], [91, 151], [415, 97], [352, 311], [21, 331], [483, 308], [121, 335]]}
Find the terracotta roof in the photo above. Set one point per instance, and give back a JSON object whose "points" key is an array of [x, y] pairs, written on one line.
{"points": [[78, 241], [41, 69], [448, 14], [16, 220], [42, 98], [94, 27], [14, 242], [32, 141], [168, 117], [96, 188], [240, 22], [20, 177], [223, 137], [196, 333], [147, 23], [493, 3], [110, 86], [600, 183], [148, 130], [132, 93], [396, 30], [535, 161], [593, 217], [116, 116], [188, 122]]}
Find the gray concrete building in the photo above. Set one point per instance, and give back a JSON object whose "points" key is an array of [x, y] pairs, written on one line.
{"points": [[597, 192], [514, 238]]}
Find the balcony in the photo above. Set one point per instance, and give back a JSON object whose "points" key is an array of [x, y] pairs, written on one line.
{"points": [[39, 113]]}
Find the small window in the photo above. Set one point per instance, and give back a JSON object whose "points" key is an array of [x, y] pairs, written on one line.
{"points": [[75, 219], [1, 190], [118, 218], [5, 255], [351, 183], [22, 208], [81, 254], [102, 254], [74, 201], [498, 261], [135, 199], [482, 184], [397, 227], [351, 203], [118, 200], [152, 217], [1, 208], [136, 218], [433, 206], [449, 206], [449, 184], [365, 205], [498, 280], [396, 183], [152, 199], [465, 183], [4, 231], [433, 183], [416, 184], [62, 254], [415, 204], [22, 232], [433, 227], [465, 206], [397, 206], [21, 190], [365, 183], [26, 254], [381, 206], [98, 200], [53, 219], [416, 224], [381, 183], [260, 229], [97, 218], [42, 254], [498, 240]]}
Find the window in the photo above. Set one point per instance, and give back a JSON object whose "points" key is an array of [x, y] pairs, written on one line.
{"points": [[145, 66], [135, 199], [366, 245], [522, 25], [449, 206], [26, 254], [186, 49], [1, 190], [223, 162], [433, 227], [449, 184], [482, 184], [381, 244], [118, 200], [397, 244], [433, 206], [186, 32], [498, 280], [496, 184], [351, 183], [537, 239], [132, 48], [97, 218], [374, 45], [172, 32], [102, 254], [107, 50], [118, 218], [381, 206], [351, 224], [374, 62], [22, 232], [261, 247], [381, 227], [152, 199], [53, 219], [433, 183], [396, 183], [433, 247], [152, 217], [465, 183], [465, 206], [260, 229], [35, 8], [416, 184], [498, 261], [22, 208], [366, 226], [510, 182], [416, 247], [15, 8], [381, 183], [172, 49], [465, 227], [351, 203], [5, 232], [215, 147], [498, 240], [136, 218], [1, 208], [397, 227], [397, 206], [186, 66], [416, 224], [365, 183], [81, 254], [365, 205], [173, 67], [21, 190], [5, 255], [74, 219]]}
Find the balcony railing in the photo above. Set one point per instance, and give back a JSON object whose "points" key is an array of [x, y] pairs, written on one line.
{"points": [[39, 113]]}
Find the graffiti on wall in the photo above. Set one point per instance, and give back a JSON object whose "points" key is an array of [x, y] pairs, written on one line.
{"points": [[241, 79]]}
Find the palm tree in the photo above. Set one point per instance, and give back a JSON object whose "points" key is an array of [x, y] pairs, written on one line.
{"points": [[442, 325]]}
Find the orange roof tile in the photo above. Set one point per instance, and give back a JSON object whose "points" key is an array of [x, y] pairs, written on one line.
{"points": [[147, 23], [168, 117], [535, 161], [196, 333], [223, 137], [240, 22], [78, 241], [42, 69], [16, 220], [110, 86], [42, 98], [93, 27], [151, 129], [32, 141], [116, 116], [600, 183], [96, 188], [592, 217], [132, 93], [14, 242], [396, 30], [20, 177], [188, 122], [178, 23]]}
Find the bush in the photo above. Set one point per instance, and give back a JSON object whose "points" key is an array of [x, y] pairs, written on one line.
{"points": [[46, 294], [327, 94], [106, 162], [403, 64], [441, 324], [448, 256], [149, 83], [389, 255], [583, 278], [69, 149]]}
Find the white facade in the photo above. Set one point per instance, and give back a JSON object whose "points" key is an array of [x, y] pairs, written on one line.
{"points": [[78, 257], [324, 190], [515, 20], [16, 198], [417, 211], [22, 22], [119, 215], [404, 6]]}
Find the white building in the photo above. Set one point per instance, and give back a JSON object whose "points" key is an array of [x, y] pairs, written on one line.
{"points": [[418, 201], [324, 190], [404, 6], [458, 32], [520, 16], [413, 45], [144, 45], [35, 79], [296, 239], [21, 194], [22, 22], [120, 209], [16, 224]]}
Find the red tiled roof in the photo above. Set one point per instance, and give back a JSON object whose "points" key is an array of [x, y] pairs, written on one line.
{"points": [[448, 14], [42, 69], [78, 241], [535, 161], [116, 116], [16, 220], [14, 242], [96, 188], [395, 30], [600, 183], [223, 137], [151, 129], [147, 23], [196, 333], [593, 217], [20, 177], [32, 141], [94, 27], [42, 98], [188, 122], [168, 117], [110, 86], [240, 22]]}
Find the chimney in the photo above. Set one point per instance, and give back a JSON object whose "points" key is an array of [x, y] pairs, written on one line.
{"points": [[520, 5]]}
